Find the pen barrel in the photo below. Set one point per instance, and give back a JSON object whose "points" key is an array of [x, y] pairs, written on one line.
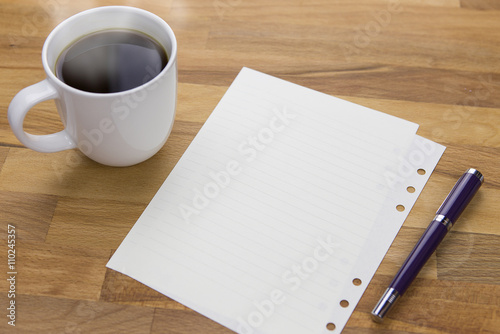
{"points": [[461, 194], [422, 251]]}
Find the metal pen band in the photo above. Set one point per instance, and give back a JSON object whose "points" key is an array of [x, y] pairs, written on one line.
{"points": [[476, 173], [445, 221]]}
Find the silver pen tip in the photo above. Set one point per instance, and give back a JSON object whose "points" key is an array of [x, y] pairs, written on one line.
{"points": [[385, 303], [377, 318]]}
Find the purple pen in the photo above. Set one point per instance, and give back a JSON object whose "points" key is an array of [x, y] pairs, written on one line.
{"points": [[447, 214]]}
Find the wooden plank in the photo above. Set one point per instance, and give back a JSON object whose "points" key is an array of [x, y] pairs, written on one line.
{"points": [[3, 154], [71, 174], [118, 288], [41, 314], [184, 322], [66, 272], [480, 4], [92, 223], [31, 214], [469, 257]]}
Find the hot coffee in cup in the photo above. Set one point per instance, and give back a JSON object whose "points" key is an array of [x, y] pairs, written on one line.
{"points": [[111, 61], [112, 72]]}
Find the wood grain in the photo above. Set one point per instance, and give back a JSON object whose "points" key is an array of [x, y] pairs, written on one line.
{"points": [[435, 63]]}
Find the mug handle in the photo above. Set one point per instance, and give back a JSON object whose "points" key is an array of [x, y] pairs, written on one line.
{"points": [[19, 107]]}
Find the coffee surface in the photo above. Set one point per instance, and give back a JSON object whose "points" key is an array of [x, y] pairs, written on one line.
{"points": [[111, 61]]}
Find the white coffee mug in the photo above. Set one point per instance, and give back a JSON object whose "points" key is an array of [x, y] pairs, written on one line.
{"points": [[116, 129]]}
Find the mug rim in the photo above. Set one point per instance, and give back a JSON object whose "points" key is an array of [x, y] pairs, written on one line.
{"points": [[172, 57]]}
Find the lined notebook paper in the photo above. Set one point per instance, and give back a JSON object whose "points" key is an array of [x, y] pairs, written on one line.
{"points": [[279, 213]]}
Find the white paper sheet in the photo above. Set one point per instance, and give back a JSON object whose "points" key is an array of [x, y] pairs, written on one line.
{"points": [[278, 214]]}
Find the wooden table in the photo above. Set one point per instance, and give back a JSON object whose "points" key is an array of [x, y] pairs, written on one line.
{"points": [[433, 62]]}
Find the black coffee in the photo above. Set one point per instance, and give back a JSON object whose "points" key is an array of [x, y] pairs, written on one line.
{"points": [[111, 61]]}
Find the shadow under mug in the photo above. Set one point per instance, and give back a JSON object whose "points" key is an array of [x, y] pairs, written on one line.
{"points": [[115, 129]]}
